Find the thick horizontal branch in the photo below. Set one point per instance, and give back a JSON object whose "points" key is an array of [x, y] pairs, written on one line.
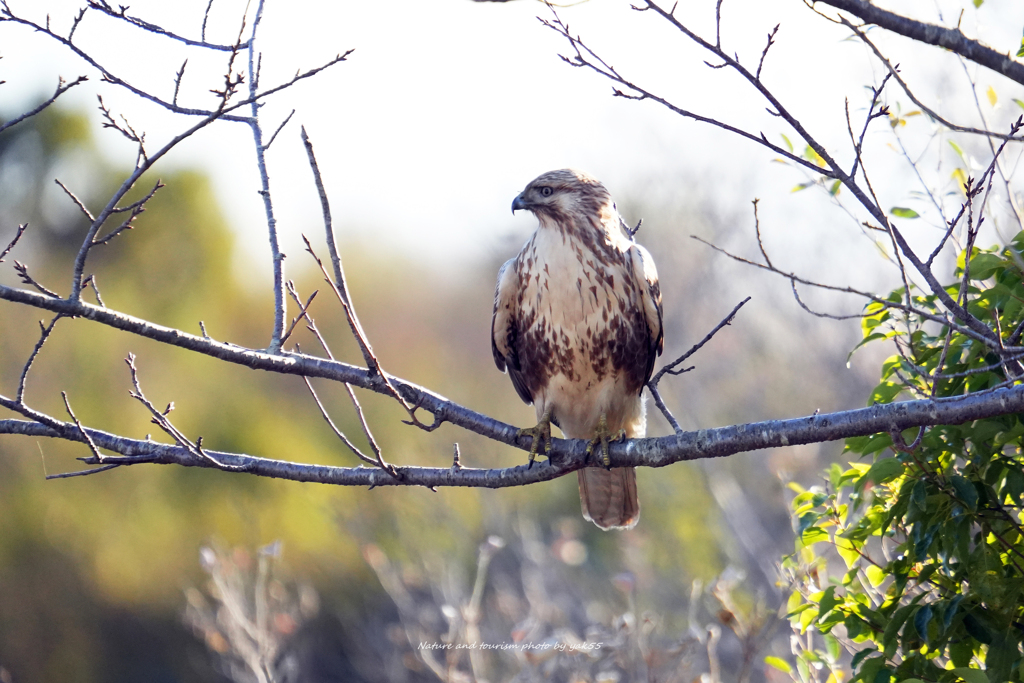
{"points": [[302, 365], [951, 39], [566, 455]]}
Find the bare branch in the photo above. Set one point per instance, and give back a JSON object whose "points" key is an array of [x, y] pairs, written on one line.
{"points": [[566, 455], [279, 129], [337, 432], [206, 16], [930, 34], [22, 271], [91, 282], [121, 13], [792, 277], [17, 236], [196, 449], [46, 330], [81, 473], [894, 72], [584, 56], [339, 283], [771, 41], [858, 143], [379, 462], [673, 367], [303, 307], [177, 82], [76, 200], [62, 88], [81, 430]]}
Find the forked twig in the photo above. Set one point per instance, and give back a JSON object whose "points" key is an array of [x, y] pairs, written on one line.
{"points": [[160, 419], [62, 88], [22, 271], [674, 369], [379, 462], [85, 435]]}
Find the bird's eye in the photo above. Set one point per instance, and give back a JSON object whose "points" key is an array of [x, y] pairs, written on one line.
{"points": [[545, 192]]}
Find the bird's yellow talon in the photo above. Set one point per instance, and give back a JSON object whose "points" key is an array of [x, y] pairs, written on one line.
{"points": [[602, 436], [542, 432]]}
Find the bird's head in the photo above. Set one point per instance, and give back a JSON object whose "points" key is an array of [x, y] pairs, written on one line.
{"points": [[563, 193]]}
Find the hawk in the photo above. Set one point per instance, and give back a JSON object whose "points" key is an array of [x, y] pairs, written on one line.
{"points": [[577, 324]]}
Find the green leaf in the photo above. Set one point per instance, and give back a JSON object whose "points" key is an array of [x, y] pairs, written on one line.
{"points": [[807, 520], [971, 675], [885, 393], [960, 653], [777, 662], [991, 92], [872, 667], [876, 575], [978, 3], [902, 212], [983, 266], [814, 157], [789, 146], [1020, 53], [921, 620], [976, 630], [882, 471], [965, 491], [959, 152], [847, 551], [827, 602], [833, 647], [859, 657], [813, 535], [834, 190]]}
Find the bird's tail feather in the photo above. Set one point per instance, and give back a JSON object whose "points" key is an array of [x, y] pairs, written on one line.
{"points": [[609, 497]]}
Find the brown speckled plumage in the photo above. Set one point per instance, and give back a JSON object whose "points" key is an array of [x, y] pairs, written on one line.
{"points": [[577, 324]]}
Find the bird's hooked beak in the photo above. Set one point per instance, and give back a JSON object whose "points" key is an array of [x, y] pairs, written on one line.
{"points": [[518, 204]]}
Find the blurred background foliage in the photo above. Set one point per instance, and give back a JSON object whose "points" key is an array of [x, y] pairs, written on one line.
{"points": [[94, 570]]}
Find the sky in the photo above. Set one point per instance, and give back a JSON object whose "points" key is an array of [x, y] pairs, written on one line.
{"points": [[446, 109]]}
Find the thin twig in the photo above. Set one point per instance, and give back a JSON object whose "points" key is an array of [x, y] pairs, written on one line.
{"points": [[771, 41], [379, 462], [160, 420], [91, 281], [279, 129], [62, 88], [78, 202], [673, 369], [968, 331], [46, 330], [334, 428], [303, 307], [121, 13], [757, 231], [893, 71], [17, 236], [82, 473], [23, 275], [85, 435]]}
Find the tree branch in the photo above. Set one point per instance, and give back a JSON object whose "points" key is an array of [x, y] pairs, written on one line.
{"points": [[951, 39], [566, 455]]}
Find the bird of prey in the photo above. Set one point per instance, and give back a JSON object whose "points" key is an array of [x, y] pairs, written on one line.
{"points": [[577, 324]]}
